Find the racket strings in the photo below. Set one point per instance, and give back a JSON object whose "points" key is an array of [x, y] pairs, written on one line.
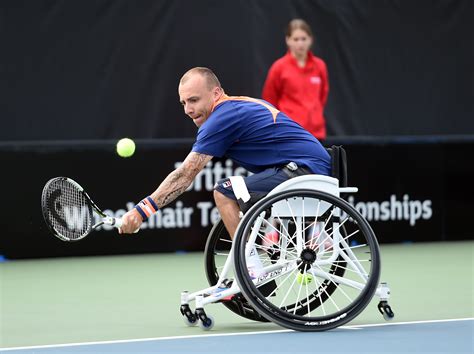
{"points": [[67, 210]]}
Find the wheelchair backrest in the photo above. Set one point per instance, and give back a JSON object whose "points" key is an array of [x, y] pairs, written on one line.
{"points": [[338, 164]]}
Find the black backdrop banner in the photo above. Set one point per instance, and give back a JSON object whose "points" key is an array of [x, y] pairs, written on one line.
{"points": [[107, 69], [408, 191]]}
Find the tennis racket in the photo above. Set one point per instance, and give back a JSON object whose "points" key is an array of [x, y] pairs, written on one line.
{"points": [[69, 211]]}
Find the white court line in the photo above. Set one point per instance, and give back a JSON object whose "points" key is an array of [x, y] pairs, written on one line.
{"points": [[405, 323], [225, 334]]}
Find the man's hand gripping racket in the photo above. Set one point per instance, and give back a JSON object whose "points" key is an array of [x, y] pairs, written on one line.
{"points": [[69, 211]]}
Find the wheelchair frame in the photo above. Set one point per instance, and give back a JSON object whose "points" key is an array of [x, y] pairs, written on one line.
{"points": [[290, 202]]}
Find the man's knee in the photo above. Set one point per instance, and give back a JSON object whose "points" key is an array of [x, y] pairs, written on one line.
{"points": [[221, 198]]}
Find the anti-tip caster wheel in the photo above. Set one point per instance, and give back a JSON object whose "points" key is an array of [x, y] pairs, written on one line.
{"points": [[386, 310]]}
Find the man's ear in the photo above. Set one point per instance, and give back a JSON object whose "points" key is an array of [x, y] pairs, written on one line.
{"points": [[217, 93]]}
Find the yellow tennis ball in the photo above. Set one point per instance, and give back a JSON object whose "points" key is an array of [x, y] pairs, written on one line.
{"points": [[125, 147], [304, 279]]}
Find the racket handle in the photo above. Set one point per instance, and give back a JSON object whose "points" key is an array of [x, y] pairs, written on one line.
{"points": [[116, 222]]}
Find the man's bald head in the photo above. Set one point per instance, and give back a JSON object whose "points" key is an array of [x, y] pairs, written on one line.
{"points": [[199, 90], [210, 78]]}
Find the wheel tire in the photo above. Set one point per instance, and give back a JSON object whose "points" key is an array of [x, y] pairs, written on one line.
{"points": [[304, 321]]}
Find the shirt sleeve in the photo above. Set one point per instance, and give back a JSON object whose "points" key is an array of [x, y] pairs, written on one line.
{"points": [[325, 84], [219, 132], [272, 87]]}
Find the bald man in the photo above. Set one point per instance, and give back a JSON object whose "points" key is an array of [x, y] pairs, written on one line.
{"points": [[251, 132]]}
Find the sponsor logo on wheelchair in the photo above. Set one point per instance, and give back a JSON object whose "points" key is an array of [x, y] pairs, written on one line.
{"points": [[322, 323], [266, 276]]}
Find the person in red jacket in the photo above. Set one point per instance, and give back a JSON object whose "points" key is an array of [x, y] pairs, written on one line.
{"points": [[297, 83]]}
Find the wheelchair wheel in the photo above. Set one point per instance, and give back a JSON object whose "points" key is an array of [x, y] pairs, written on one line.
{"points": [[217, 250], [323, 280]]}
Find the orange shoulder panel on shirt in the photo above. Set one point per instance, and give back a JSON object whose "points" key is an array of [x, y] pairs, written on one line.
{"points": [[225, 97]]}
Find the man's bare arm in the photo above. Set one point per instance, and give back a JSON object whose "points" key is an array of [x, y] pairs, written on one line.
{"points": [[173, 185], [180, 179]]}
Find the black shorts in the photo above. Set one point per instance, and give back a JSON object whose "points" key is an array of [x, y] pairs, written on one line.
{"points": [[259, 184]]}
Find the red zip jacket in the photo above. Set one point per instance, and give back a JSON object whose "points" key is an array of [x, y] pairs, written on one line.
{"points": [[301, 93]]}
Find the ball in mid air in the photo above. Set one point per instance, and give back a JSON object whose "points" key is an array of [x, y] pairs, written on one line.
{"points": [[125, 147]]}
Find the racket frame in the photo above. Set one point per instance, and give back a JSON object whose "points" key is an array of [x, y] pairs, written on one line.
{"points": [[105, 219]]}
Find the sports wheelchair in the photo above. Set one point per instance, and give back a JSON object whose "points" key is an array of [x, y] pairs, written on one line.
{"points": [[320, 272]]}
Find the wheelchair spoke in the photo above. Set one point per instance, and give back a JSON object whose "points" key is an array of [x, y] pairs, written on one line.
{"points": [[320, 293], [287, 292], [331, 279], [320, 261], [221, 254]]}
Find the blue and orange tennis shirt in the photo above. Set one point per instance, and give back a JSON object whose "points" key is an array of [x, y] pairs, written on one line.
{"points": [[257, 136]]}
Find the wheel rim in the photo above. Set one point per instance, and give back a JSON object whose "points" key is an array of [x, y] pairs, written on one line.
{"points": [[343, 254]]}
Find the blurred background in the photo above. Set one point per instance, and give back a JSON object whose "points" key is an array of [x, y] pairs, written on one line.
{"points": [[77, 76]]}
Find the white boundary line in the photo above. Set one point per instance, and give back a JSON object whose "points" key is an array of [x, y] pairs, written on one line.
{"points": [[406, 323], [226, 334]]}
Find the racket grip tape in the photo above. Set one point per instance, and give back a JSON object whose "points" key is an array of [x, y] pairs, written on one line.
{"points": [[117, 223]]}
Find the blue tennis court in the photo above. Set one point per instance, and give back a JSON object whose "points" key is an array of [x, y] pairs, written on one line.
{"points": [[445, 336]]}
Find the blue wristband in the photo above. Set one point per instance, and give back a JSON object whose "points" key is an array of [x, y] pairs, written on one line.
{"points": [[146, 208], [141, 212]]}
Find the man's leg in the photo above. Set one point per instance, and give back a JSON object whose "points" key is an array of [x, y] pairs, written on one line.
{"points": [[229, 210], [258, 185]]}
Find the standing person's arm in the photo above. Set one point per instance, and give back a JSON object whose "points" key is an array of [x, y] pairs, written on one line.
{"points": [[272, 87], [324, 85], [173, 186]]}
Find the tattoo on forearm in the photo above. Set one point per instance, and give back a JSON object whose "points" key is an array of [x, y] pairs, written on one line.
{"points": [[180, 179]]}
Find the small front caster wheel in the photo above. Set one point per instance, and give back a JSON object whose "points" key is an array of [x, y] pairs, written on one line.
{"points": [[190, 322], [207, 323], [189, 317]]}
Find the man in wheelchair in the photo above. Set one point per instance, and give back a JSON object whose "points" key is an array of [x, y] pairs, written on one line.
{"points": [[302, 285], [249, 131]]}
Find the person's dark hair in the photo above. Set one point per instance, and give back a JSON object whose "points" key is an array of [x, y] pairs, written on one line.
{"points": [[211, 78], [298, 23]]}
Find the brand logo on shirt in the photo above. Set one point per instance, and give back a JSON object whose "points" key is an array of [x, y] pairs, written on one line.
{"points": [[315, 80]]}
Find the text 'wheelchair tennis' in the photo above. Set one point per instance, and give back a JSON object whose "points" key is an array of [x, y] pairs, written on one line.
{"points": [[318, 271]]}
